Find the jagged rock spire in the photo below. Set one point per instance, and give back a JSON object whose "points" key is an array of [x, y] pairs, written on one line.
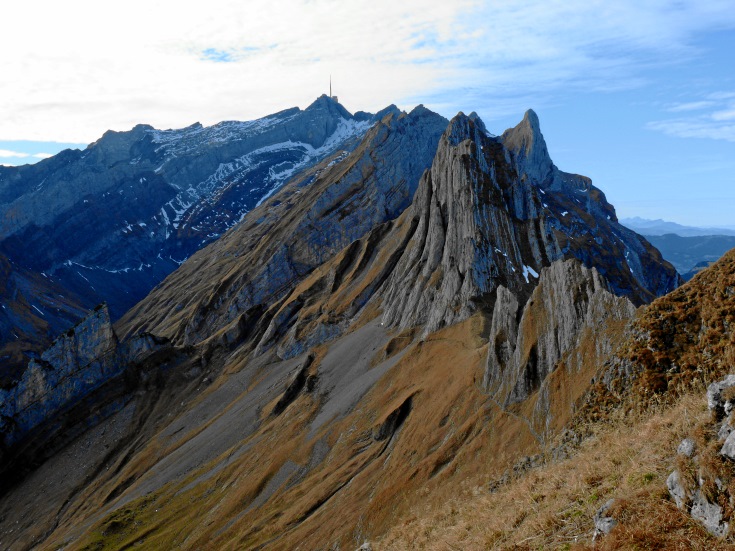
{"points": [[527, 144]]}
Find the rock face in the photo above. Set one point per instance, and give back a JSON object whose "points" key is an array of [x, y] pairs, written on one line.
{"points": [[241, 281], [34, 306], [704, 495], [493, 212], [110, 222], [568, 299], [480, 220], [558, 340], [78, 363]]}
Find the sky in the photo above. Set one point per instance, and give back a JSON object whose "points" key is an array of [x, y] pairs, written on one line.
{"points": [[638, 95]]}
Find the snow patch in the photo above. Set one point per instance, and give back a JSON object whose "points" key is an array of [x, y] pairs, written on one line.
{"points": [[527, 270]]}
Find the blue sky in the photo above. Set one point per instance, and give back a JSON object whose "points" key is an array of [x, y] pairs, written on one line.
{"points": [[640, 96]]}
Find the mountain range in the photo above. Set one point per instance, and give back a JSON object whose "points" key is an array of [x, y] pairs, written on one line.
{"points": [[688, 248], [111, 222], [663, 227], [322, 329]]}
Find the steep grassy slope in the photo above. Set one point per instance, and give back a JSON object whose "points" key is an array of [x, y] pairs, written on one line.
{"points": [[648, 398], [553, 506], [681, 342]]}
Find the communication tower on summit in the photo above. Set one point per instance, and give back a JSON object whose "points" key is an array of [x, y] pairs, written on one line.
{"points": [[335, 98]]}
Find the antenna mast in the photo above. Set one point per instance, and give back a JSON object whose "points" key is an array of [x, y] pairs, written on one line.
{"points": [[335, 98]]}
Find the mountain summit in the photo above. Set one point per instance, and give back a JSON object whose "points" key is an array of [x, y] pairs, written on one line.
{"points": [[110, 222]]}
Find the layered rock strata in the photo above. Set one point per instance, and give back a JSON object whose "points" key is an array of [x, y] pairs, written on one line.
{"points": [[76, 365]]}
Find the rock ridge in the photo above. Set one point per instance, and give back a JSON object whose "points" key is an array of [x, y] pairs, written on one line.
{"points": [[495, 211], [77, 364]]}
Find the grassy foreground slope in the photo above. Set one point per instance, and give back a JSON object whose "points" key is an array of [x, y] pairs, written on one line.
{"points": [[649, 398]]}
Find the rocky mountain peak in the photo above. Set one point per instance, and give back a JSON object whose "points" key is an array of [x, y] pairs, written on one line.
{"points": [[328, 105], [474, 117], [527, 143], [463, 127], [495, 211]]}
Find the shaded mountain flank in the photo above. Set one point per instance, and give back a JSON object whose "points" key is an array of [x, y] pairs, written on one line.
{"points": [[419, 314], [690, 254], [110, 222]]}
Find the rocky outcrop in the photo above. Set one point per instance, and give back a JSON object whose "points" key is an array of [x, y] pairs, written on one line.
{"points": [[568, 300], [559, 328], [603, 521], [493, 212], [34, 307], [700, 484], [78, 363]]}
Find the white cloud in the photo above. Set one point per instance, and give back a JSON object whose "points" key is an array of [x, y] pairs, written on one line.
{"points": [[714, 119], [80, 67], [695, 128], [42, 155], [7, 153], [724, 115], [691, 106]]}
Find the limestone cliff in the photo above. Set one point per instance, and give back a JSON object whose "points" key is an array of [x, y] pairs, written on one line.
{"points": [[570, 323], [78, 363], [495, 211], [477, 222]]}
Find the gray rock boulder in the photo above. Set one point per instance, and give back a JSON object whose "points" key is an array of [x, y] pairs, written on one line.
{"points": [[676, 489], [603, 522], [728, 448], [715, 401], [686, 447], [709, 514]]}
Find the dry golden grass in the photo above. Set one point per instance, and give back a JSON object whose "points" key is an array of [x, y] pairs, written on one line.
{"points": [[429, 487], [552, 507], [363, 484]]}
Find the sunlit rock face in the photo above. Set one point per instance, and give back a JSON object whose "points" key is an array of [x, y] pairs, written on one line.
{"points": [[495, 211]]}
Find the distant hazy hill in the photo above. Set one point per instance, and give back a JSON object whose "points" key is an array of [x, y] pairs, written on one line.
{"points": [[686, 252], [662, 227]]}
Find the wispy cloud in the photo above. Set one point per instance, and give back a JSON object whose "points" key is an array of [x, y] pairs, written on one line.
{"points": [[712, 118], [12, 154], [235, 60], [725, 115], [690, 106], [695, 128]]}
